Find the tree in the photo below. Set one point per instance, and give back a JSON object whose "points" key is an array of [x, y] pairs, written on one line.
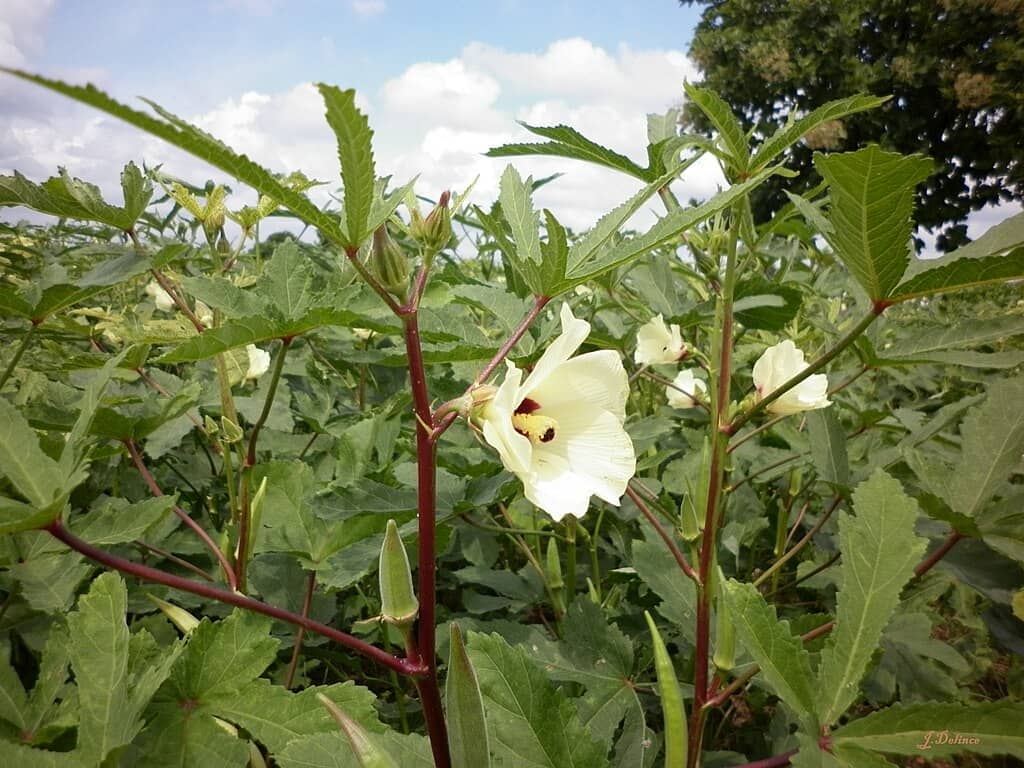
{"points": [[954, 69]]}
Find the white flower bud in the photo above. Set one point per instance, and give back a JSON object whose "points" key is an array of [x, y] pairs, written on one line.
{"points": [[259, 362], [656, 343], [686, 391], [775, 367]]}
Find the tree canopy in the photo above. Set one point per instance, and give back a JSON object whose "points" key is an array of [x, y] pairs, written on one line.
{"points": [[954, 69]]}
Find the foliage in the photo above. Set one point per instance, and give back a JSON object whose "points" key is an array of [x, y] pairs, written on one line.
{"points": [[952, 69], [213, 512]]}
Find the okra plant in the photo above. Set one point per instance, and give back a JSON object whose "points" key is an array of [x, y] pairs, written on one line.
{"points": [[448, 484]]}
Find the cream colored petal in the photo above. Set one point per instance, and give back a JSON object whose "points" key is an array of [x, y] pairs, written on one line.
{"points": [[684, 387], [514, 449], [556, 489], [574, 333], [596, 447], [597, 378], [657, 344]]}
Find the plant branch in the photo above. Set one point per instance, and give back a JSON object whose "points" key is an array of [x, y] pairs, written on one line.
{"points": [[211, 545], [778, 761], [145, 573], [307, 602], [17, 354], [929, 562], [426, 512], [665, 536], [789, 555]]}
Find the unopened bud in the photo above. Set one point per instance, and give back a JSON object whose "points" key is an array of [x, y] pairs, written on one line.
{"points": [[232, 432], [433, 232], [210, 426], [178, 616], [398, 603], [390, 265]]}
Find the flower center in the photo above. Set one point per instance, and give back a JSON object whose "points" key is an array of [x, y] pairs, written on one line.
{"points": [[532, 425]]}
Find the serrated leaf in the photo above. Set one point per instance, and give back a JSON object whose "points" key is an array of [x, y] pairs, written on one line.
{"points": [[828, 446], [130, 264], [517, 206], [880, 550], [220, 293], [49, 581], [992, 445], [996, 256], [355, 154], [224, 656], [181, 134], [658, 569], [531, 723], [992, 728], [24, 756], [784, 662], [928, 343], [766, 305], [275, 716], [181, 737], [464, 708], [570, 143], [110, 713], [871, 193], [35, 475], [287, 281], [75, 448], [583, 252], [119, 522], [731, 136], [790, 133], [665, 229]]}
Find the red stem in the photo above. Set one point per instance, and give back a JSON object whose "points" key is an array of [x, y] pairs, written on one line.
{"points": [[426, 463], [666, 537], [307, 602], [144, 572], [778, 761], [225, 566], [929, 562]]}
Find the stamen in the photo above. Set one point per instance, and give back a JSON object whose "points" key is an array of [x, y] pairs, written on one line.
{"points": [[537, 427]]}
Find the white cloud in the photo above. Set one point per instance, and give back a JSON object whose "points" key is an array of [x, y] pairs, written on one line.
{"points": [[21, 29], [367, 8], [434, 120]]}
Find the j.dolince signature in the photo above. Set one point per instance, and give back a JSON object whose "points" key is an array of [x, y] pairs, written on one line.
{"points": [[946, 738]]}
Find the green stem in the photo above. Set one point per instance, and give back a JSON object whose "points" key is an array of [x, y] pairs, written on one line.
{"points": [[245, 481], [17, 354], [719, 379], [800, 544], [570, 559]]}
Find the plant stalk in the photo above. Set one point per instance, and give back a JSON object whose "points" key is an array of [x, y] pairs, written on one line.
{"points": [[17, 354]]}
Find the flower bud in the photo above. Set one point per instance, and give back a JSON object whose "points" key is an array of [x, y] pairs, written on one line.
{"points": [[398, 603], [367, 751], [179, 617], [389, 264], [433, 232], [232, 432]]}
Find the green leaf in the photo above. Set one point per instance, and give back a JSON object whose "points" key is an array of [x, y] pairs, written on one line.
{"points": [[655, 565], [50, 581], [180, 737], [464, 708], [766, 305], [531, 723], [224, 656], [288, 280], [517, 206], [119, 522], [75, 447], [220, 293], [570, 143], [34, 475], [794, 130], [927, 343], [990, 728], [12, 304], [828, 446], [731, 137], [355, 154], [26, 757], [111, 699], [130, 264], [275, 716], [583, 252], [991, 446], [784, 662], [872, 198], [667, 229], [880, 550], [994, 257], [181, 134]]}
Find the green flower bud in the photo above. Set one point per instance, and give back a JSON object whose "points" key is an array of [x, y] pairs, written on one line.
{"points": [[367, 751], [179, 617], [389, 264], [398, 603], [232, 432], [433, 232]]}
